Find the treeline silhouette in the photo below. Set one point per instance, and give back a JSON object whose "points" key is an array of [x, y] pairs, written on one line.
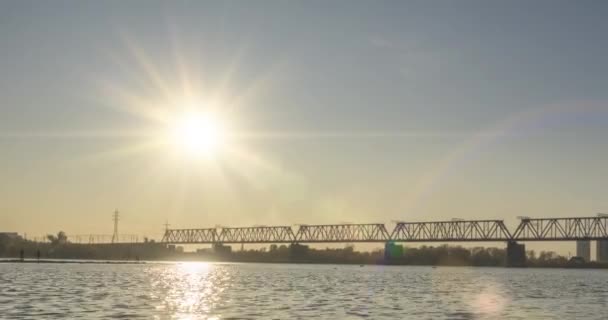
{"points": [[442, 255], [424, 255], [58, 247]]}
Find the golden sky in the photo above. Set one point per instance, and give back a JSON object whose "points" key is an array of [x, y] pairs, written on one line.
{"points": [[224, 114]]}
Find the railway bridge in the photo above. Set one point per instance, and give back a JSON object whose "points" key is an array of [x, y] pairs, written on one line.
{"points": [[545, 229]]}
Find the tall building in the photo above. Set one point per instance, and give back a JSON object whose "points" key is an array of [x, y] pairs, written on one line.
{"points": [[602, 251], [583, 249]]}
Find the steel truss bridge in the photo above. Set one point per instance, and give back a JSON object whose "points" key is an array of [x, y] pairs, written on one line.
{"points": [[546, 229]]}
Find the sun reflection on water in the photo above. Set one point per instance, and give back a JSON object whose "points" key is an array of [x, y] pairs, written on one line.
{"points": [[490, 301], [193, 290]]}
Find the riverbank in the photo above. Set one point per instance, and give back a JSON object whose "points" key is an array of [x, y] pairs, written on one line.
{"points": [[16, 249], [71, 261], [592, 265]]}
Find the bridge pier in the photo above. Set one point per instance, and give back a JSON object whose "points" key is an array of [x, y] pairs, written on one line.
{"points": [[220, 248], [297, 250], [392, 251], [516, 255]]}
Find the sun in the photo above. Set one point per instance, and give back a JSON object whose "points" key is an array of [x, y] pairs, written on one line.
{"points": [[198, 134]]}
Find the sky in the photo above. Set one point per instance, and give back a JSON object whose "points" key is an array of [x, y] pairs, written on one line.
{"points": [[341, 111]]}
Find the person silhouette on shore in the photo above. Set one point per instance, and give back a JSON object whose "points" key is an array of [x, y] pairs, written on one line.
{"points": [[21, 254]]}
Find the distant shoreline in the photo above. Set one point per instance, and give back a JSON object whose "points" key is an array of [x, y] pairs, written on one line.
{"points": [[128, 262], [72, 261], [16, 250]]}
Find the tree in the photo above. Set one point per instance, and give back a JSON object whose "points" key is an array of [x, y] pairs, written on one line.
{"points": [[61, 238]]}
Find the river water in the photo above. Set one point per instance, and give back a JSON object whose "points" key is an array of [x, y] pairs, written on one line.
{"points": [[290, 291]]}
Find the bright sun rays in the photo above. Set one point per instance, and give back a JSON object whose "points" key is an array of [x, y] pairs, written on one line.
{"points": [[197, 134], [178, 115], [186, 129], [184, 135]]}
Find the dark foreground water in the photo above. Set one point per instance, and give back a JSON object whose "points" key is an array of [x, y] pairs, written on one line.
{"points": [[266, 291]]}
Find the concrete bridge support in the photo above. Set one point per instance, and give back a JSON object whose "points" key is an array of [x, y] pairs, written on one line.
{"points": [[516, 255], [297, 250], [392, 251], [220, 248]]}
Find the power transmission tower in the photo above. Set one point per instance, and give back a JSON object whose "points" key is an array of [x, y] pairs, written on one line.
{"points": [[115, 235]]}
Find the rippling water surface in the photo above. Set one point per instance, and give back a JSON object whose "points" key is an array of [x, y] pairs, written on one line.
{"points": [[282, 291]]}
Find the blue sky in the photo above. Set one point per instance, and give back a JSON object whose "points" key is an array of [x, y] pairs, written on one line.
{"points": [[364, 111]]}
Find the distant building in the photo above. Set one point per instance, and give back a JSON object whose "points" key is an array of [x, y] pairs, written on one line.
{"points": [[583, 249], [10, 235], [602, 251]]}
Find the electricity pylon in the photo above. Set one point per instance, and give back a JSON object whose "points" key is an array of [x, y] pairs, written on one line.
{"points": [[115, 234]]}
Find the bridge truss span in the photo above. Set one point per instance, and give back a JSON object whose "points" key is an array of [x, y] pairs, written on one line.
{"points": [[260, 234], [548, 229], [578, 228], [184, 236], [457, 230], [375, 232]]}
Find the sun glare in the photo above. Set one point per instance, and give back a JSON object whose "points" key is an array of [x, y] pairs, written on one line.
{"points": [[198, 134]]}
